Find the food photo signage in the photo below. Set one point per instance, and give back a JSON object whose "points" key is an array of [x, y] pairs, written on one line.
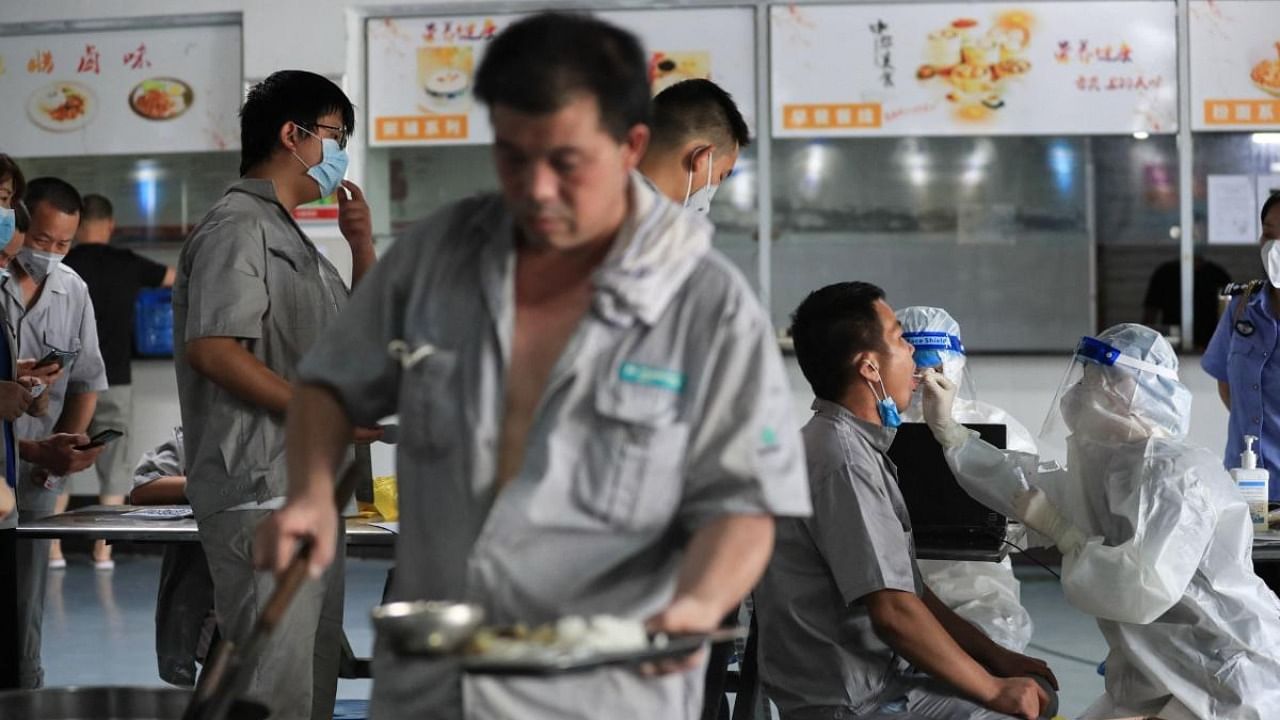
{"points": [[121, 91], [973, 69], [1235, 65], [421, 69]]}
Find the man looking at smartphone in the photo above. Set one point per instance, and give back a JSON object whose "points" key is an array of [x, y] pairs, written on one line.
{"points": [[48, 308]]}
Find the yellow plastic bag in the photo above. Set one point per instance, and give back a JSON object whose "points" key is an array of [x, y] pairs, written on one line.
{"points": [[386, 498]]}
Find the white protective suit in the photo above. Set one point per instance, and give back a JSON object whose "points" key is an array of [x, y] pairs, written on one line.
{"points": [[1156, 540], [986, 594]]}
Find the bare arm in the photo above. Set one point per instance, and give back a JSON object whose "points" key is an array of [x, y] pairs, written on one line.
{"points": [[356, 224], [228, 364], [723, 561], [170, 490], [1224, 392], [77, 413], [969, 638], [170, 275], [906, 624]]}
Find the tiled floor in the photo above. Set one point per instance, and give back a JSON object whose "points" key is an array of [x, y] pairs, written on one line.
{"points": [[99, 627]]}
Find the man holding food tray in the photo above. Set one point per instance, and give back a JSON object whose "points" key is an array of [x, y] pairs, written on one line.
{"points": [[595, 416]]}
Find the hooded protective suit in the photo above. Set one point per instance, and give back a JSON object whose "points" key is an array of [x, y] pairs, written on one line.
{"points": [[1156, 541], [986, 594]]}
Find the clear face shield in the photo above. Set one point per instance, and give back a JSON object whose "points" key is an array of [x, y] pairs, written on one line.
{"points": [[944, 353], [1107, 396]]}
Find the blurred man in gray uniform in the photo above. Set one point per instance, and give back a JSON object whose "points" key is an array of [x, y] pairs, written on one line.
{"points": [[596, 416]]}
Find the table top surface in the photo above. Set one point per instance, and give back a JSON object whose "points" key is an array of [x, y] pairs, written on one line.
{"points": [[111, 523]]}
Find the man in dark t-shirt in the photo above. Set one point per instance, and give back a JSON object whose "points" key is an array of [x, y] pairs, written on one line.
{"points": [[114, 276], [1162, 305]]}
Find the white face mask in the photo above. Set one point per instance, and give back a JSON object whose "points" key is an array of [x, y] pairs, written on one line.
{"points": [[39, 265], [700, 201], [1271, 261]]}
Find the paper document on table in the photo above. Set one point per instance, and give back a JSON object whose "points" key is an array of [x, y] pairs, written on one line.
{"points": [[168, 512], [388, 526]]}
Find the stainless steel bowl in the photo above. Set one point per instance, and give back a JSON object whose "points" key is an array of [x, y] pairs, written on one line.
{"points": [[427, 626], [109, 703]]}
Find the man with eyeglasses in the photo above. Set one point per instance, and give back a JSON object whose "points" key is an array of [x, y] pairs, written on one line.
{"points": [[252, 294], [51, 321]]}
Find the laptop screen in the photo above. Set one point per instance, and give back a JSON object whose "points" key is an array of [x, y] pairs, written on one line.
{"points": [[934, 499]]}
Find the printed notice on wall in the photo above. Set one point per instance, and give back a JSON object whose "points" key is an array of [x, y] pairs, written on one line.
{"points": [[1233, 216]]}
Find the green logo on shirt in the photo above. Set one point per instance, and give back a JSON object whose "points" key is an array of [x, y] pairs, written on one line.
{"points": [[768, 437], [664, 378]]}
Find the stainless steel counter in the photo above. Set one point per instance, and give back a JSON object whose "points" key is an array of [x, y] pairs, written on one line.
{"points": [[110, 523]]}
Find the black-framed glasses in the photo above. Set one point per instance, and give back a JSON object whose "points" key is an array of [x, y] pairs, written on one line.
{"points": [[341, 132]]}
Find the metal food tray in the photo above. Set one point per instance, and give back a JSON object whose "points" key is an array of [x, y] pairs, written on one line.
{"points": [[677, 646]]}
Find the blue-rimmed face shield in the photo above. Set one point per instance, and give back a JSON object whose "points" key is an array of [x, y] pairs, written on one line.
{"points": [[933, 348], [940, 352], [1099, 394]]}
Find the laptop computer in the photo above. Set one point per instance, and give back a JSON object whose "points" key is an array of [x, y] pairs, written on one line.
{"points": [[943, 515]]}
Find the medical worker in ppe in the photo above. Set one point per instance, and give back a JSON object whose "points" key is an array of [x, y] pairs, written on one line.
{"points": [[984, 593], [1156, 541]]}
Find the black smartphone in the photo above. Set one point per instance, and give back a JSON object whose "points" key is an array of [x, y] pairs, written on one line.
{"points": [[56, 357], [101, 439]]}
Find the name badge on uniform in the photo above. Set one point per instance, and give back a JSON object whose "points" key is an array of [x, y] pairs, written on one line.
{"points": [[647, 375]]}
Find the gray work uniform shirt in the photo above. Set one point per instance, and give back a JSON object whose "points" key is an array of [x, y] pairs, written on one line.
{"points": [[668, 409], [61, 319], [818, 648], [246, 272]]}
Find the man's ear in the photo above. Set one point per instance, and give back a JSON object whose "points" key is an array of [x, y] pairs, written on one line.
{"points": [[635, 144], [696, 155], [288, 136], [868, 367]]}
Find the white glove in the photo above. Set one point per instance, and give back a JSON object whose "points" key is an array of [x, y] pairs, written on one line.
{"points": [[1036, 512], [939, 398]]}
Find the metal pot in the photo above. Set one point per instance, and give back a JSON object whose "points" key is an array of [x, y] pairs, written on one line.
{"points": [[110, 703]]}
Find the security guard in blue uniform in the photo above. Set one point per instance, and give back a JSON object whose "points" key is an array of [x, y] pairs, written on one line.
{"points": [[1242, 356]]}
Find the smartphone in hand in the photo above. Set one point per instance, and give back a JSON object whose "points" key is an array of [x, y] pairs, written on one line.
{"points": [[101, 439], [56, 357]]}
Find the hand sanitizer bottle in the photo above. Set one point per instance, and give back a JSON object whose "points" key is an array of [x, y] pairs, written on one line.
{"points": [[1254, 483]]}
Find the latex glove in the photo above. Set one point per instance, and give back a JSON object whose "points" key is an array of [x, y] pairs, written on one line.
{"points": [[939, 398], [1036, 512]]}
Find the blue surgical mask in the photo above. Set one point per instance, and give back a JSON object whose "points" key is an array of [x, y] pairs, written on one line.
{"points": [[700, 201], [888, 409], [8, 225], [333, 165]]}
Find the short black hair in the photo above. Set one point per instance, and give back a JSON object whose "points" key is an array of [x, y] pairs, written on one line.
{"points": [[55, 191], [9, 169], [285, 96], [1267, 204], [694, 108], [545, 61], [96, 207], [830, 327]]}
